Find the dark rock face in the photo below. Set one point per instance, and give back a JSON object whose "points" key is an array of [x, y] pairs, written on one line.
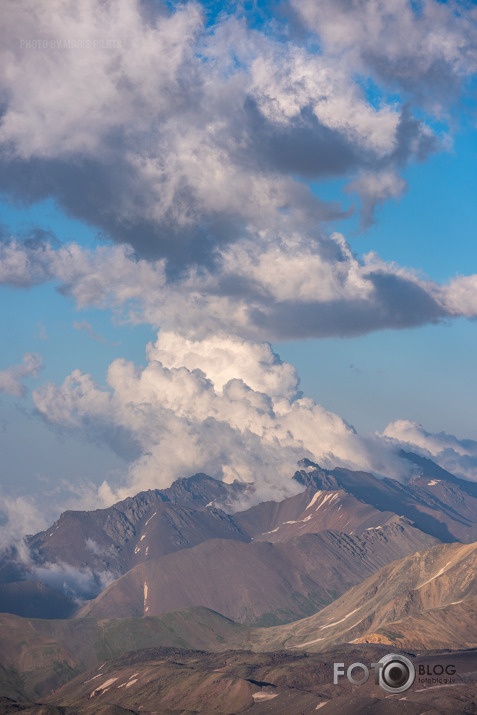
{"points": [[119, 527], [107, 540], [311, 475], [200, 489], [102, 539]]}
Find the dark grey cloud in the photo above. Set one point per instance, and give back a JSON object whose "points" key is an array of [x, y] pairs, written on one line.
{"points": [[398, 303], [189, 135], [412, 139], [287, 289], [304, 147], [195, 144], [92, 191]]}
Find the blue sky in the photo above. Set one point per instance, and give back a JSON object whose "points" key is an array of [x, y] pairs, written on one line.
{"points": [[425, 374], [225, 181]]}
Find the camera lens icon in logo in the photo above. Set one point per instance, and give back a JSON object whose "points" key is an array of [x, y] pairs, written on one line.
{"points": [[396, 673]]}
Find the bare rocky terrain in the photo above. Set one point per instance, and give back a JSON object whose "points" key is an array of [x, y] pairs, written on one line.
{"points": [[215, 608], [257, 583], [110, 539], [424, 583], [435, 501], [172, 681]]}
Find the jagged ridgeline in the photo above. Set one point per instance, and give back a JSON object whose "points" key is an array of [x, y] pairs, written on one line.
{"points": [[348, 561]]}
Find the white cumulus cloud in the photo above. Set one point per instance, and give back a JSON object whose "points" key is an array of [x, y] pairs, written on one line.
{"points": [[458, 456], [193, 134], [220, 405]]}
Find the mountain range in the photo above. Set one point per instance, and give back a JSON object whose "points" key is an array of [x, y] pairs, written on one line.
{"points": [[349, 559]]}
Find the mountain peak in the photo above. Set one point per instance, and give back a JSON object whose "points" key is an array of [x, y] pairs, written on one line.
{"points": [[312, 475], [200, 489]]}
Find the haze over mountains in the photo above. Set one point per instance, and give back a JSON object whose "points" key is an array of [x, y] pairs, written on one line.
{"points": [[259, 582], [351, 521], [349, 559]]}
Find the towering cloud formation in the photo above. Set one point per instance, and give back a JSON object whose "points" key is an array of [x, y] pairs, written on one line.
{"points": [[221, 405], [192, 146]]}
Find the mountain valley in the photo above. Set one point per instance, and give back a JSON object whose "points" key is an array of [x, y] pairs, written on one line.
{"points": [[349, 562]]}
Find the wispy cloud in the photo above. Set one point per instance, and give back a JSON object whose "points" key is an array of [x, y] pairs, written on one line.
{"points": [[86, 327], [11, 378], [19, 515], [81, 584], [41, 332]]}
